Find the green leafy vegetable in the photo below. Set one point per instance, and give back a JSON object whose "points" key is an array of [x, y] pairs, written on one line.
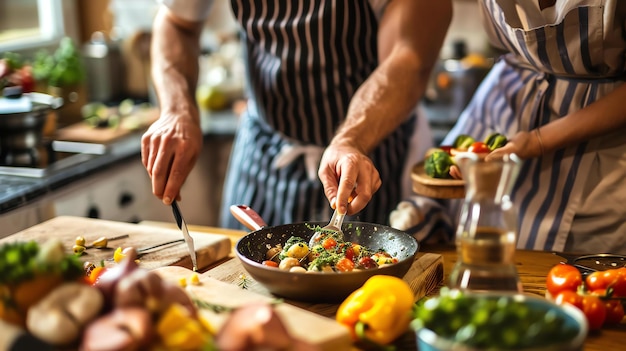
{"points": [[21, 261], [437, 165]]}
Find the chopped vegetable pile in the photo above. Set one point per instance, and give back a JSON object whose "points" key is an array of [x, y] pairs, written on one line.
{"points": [[439, 160]]}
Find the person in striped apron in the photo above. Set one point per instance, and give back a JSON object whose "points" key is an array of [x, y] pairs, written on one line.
{"points": [[333, 89], [558, 94]]}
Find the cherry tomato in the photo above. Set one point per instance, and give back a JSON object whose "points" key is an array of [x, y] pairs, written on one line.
{"points": [[349, 254], [571, 297], [563, 277], [619, 284], [614, 307], [595, 311], [611, 278], [269, 263], [479, 147], [446, 148], [344, 265], [329, 243], [367, 262], [596, 281]]}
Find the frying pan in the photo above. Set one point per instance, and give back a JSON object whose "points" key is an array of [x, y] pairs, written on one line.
{"points": [[317, 286]]}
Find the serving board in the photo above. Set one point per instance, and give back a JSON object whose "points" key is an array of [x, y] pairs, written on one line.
{"points": [[423, 184], [322, 332], [83, 132], [210, 248]]}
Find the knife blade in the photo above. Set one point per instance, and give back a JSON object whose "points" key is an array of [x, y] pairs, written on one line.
{"points": [[188, 239]]}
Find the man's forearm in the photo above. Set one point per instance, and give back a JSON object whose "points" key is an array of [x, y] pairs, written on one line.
{"points": [[174, 52], [409, 40]]}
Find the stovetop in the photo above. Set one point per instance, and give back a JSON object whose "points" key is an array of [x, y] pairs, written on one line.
{"points": [[52, 157]]}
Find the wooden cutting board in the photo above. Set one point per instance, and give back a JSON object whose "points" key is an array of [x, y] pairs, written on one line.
{"points": [[424, 276], [210, 248], [304, 325], [83, 132]]}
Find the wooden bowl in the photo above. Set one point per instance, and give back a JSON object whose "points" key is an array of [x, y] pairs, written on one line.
{"points": [[423, 184]]}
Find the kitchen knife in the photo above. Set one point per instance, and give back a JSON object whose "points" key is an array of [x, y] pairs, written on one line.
{"points": [[188, 239]]}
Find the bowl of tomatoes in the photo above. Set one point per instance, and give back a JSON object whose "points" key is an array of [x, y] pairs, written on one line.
{"points": [[473, 321]]}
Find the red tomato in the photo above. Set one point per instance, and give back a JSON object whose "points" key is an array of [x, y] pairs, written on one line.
{"points": [[367, 262], [446, 148], [344, 265], [611, 278], [479, 147], [614, 308], [329, 243], [596, 281], [269, 263], [563, 277], [349, 253], [571, 297], [595, 311]]}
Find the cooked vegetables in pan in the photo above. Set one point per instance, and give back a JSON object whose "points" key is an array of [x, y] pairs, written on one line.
{"points": [[331, 254]]}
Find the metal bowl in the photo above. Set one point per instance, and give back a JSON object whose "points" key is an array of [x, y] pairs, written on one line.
{"points": [[317, 286]]}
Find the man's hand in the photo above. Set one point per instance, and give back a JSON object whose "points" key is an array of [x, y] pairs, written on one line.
{"points": [[349, 178], [169, 150]]}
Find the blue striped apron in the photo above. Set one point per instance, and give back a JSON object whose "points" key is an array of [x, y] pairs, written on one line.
{"points": [[305, 60], [572, 199]]}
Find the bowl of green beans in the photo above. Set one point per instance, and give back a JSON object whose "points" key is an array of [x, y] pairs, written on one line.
{"points": [[472, 321]]}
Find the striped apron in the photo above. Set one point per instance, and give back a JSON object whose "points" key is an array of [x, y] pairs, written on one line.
{"points": [[305, 59], [572, 199]]}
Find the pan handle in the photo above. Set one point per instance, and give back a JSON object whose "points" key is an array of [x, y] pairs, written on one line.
{"points": [[248, 217]]}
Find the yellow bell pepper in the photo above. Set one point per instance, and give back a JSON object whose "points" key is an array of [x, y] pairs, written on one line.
{"points": [[379, 311]]}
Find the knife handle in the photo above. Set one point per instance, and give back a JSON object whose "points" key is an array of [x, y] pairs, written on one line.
{"points": [[177, 215]]}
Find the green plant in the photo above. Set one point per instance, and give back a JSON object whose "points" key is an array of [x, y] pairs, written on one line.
{"points": [[63, 68]]}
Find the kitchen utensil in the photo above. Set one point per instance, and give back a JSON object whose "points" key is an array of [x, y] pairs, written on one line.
{"points": [[188, 239], [152, 248], [332, 228], [588, 264], [487, 230], [317, 286], [22, 132]]}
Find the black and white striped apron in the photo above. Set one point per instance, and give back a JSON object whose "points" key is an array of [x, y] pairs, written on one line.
{"points": [[305, 61], [571, 199]]}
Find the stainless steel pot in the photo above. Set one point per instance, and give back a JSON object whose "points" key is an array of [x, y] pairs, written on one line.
{"points": [[23, 131]]}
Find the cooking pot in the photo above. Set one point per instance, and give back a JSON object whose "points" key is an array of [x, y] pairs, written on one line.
{"points": [[23, 131], [317, 286]]}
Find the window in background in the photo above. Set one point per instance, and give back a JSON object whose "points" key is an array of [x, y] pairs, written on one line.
{"points": [[28, 25]]}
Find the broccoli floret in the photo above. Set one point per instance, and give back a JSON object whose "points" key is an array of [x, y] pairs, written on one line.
{"points": [[437, 165], [495, 141], [463, 142]]}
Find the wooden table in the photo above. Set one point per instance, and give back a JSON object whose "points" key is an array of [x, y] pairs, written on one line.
{"points": [[532, 267]]}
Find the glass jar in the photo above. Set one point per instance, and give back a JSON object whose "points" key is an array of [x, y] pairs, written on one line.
{"points": [[487, 232]]}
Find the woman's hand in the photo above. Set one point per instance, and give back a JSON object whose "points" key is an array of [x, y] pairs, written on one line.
{"points": [[347, 173], [523, 144]]}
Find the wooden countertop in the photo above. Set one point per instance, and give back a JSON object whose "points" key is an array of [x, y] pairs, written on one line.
{"points": [[532, 266]]}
